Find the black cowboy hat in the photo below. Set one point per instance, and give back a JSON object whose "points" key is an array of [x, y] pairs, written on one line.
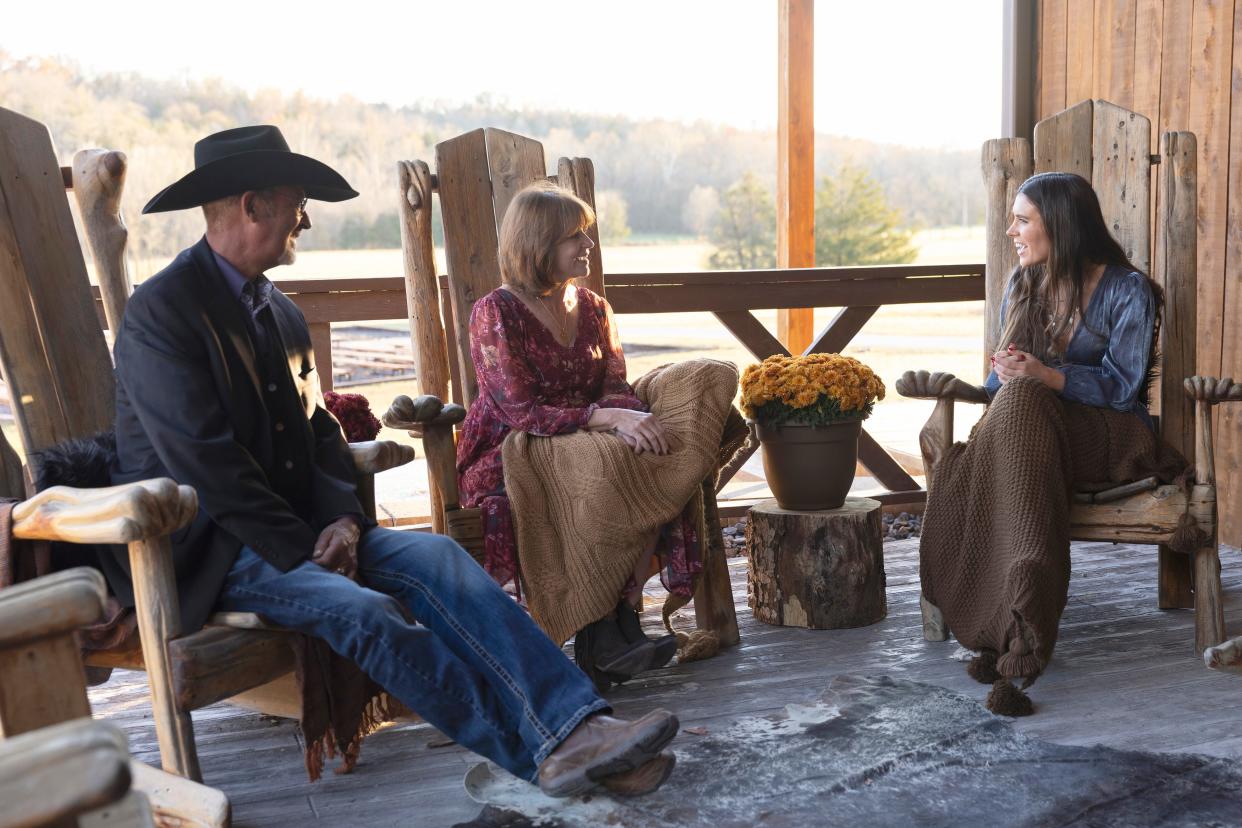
{"points": [[248, 158]]}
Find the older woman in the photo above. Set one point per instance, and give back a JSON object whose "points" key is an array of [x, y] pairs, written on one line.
{"points": [[549, 363], [1068, 394]]}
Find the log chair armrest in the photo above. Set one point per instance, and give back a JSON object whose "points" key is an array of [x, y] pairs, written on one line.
{"points": [[52, 605], [925, 385], [1225, 656], [375, 456], [1211, 390], [60, 771], [427, 417], [142, 514], [127, 513], [421, 413]]}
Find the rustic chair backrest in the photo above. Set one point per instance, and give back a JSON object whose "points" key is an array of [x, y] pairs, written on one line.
{"points": [[1111, 147], [52, 348], [478, 175]]}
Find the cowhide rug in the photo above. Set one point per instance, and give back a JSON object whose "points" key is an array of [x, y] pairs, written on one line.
{"points": [[883, 751]]}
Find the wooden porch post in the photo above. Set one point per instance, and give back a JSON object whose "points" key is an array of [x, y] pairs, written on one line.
{"points": [[795, 159]]}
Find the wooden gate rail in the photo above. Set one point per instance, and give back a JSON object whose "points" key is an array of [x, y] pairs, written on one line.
{"points": [[729, 295]]}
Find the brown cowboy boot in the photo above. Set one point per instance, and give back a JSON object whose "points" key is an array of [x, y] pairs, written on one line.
{"points": [[602, 746]]}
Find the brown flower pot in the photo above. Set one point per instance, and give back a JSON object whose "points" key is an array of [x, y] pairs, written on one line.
{"points": [[810, 468]]}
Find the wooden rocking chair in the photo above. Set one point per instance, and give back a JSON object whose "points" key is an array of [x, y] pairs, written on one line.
{"points": [[59, 372], [1111, 148], [478, 175]]}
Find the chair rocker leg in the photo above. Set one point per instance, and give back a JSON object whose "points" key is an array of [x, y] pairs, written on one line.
{"points": [[1176, 579], [1209, 611], [713, 602], [934, 627]]}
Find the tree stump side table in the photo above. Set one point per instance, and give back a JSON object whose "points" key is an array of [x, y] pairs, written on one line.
{"points": [[820, 570]]}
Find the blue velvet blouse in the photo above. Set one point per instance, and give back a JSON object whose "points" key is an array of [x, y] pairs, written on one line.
{"points": [[1105, 364]]}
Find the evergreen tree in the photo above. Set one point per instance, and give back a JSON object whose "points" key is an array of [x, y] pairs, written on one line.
{"points": [[744, 229], [854, 224]]}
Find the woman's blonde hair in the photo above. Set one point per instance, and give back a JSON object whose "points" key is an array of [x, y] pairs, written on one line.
{"points": [[539, 218]]}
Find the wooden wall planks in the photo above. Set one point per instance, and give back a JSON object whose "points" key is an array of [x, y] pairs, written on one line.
{"points": [[1176, 61]]}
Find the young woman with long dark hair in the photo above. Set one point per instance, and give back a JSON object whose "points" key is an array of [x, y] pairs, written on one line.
{"points": [[1069, 393]]}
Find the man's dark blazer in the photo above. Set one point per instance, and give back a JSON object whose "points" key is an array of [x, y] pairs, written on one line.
{"points": [[194, 403]]}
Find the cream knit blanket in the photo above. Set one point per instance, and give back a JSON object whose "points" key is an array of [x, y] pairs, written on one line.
{"points": [[585, 506]]}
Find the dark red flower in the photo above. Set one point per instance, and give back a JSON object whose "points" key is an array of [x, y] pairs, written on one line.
{"points": [[354, 413]]}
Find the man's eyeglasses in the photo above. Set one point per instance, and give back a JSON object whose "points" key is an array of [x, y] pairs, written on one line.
{"points": [[302, 208]]}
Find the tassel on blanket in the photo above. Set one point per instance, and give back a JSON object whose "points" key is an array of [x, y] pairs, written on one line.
{"points": [[1019, 662], [1007, 700], [982, 668], [696, 645]]}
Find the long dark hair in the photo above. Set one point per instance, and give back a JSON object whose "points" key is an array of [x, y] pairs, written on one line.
{"points": [[1046, 299]]}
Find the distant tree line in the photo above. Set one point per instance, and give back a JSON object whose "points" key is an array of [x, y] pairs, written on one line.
{"points": [[653, 176]]}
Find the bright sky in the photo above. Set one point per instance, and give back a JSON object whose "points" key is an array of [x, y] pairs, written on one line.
{"points": [[900, 71]]}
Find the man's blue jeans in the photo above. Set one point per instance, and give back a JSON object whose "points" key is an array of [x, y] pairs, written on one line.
{"points": [[435, 631]]}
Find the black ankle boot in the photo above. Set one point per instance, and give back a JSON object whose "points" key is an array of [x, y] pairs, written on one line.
{"points": [[604, 653], [665, 647]]}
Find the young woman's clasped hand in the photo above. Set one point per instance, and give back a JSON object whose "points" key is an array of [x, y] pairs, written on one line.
{"points": [[1013, 362], [640, 431]]}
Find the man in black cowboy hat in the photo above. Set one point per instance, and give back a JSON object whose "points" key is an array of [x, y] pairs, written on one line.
{"points": [[216, 388]]}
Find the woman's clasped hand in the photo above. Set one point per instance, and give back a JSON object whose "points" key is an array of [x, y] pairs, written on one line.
{"points": [[640, 431], [1013, 362]]}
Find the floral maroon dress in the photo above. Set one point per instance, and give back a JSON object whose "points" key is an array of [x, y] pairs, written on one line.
{"points": [[530, 382]]}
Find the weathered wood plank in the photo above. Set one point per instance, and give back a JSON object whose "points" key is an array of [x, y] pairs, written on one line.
{"points": [[1063, 141], [1007, 162], [1175, 59], [1210, 83], [1121, 177], [217, 662], [515, 162], [55, 359], [837, 334], [1175, 270], [1229, 417], [1051, 60], [882, 465], [693, 297], [1148, 56], [751, 332], [1079, 51], [578, 176], [1113, 51], [470, 240]]}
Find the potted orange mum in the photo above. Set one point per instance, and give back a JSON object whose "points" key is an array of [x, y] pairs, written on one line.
{"points": [[808, 411]]}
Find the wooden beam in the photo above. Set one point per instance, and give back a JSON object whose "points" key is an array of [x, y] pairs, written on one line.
{"points": [[843, 327], [795, 158]]}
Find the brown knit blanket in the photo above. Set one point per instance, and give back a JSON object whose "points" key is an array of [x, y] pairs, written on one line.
{"points": [[585, 506], [994, 555]]}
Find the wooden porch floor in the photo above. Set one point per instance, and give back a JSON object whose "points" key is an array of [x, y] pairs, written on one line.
{"points": [[1124, 675]]}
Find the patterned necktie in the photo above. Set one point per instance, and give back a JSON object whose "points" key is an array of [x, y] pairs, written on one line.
{"points": [[255, 296]]}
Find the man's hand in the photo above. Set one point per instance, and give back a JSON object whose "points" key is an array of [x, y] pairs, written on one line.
{"points": [[1012, 362], [337, 547]]}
